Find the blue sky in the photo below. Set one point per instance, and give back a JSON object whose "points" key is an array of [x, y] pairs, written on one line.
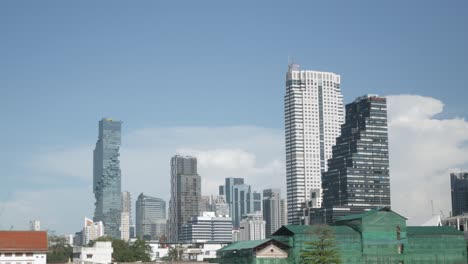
{"points": [[64, 65]]}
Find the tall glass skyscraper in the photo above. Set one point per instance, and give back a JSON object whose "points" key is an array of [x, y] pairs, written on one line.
{"points": [[459, 192], [107, 177], [313, 107], [150, 217], [358, 176]]}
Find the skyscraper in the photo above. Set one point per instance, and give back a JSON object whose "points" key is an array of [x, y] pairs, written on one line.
{"points": [[313, 114], [273, 210], [107, 178], [126, 216], [185, 194], [252, 227], [358, 176], [459, 191], [150, 217]]}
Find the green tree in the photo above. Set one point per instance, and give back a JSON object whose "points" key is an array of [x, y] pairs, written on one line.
{"points": [[322, 249], [173, 254], [126, 251], [59, 250]]}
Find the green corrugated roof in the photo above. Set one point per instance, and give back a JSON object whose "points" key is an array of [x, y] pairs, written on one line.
{"points": [[244, 245], [306, 229], [432, 230], [364, 214]]}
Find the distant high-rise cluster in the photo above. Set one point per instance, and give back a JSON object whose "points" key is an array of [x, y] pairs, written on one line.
{"points": [[107, 178], [150, 217], [459, 192], [185, 194], [126, 216], [313, 107]]}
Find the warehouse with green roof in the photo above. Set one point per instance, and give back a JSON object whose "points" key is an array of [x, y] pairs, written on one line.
{"points": [[376, 236]]}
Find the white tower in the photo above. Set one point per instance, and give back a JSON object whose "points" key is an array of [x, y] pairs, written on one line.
{"points": [[313, 116]]}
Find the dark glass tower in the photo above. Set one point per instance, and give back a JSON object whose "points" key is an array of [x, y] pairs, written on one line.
{"points": [[459, 191], [358, 172], [150, 217], [107, 177]]}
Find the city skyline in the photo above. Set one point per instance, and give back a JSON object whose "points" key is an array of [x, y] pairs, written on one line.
{"points": [[84, 64]]}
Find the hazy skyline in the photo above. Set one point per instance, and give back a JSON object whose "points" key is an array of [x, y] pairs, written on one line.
{"points": [[208, 79]]}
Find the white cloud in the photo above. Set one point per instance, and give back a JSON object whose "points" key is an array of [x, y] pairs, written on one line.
{"points": [[423, 151]]}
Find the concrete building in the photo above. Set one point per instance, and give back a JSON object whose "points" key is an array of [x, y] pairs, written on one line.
{"points": [[126, 216], [313, 107], [185, 194], [459, 192], [219, 205], [107, 176], [252, 227], [35, 225], [100, 253], [23, 247], [150, 217], [91, 231], [243, 200], [358, 177], [207, 228], [194, 252], [376, 236], [274, 212]]}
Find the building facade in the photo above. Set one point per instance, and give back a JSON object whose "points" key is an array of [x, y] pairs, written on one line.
{"points": [[150, 217], [23, 247], [91, 231], [252, 227], [35, 225], [358, 177], [207, 228], [185, 194], [107, 176], [126, 216], [100, 253], [273, 211], [459, 192], [376, 236], [313, 107]]}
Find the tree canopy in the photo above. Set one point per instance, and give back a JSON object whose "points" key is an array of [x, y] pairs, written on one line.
{"points": [[127, 251], [322, 248]]}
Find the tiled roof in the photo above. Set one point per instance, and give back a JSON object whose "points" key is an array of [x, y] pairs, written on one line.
{"points": [[432, 230], [33, 241]]}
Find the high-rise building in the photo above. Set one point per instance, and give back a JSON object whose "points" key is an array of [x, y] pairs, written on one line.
{"points": [[358, 176], [91, 231], [313, 114], [207, 228], [273, 210], [205, 204], [459, 191], [241, 199], [252, 227], [228, 191], [126, 216], [185, 194], [219, 205], [107, 176], [150, 217]]}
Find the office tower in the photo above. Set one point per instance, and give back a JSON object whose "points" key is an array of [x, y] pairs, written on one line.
{"points": [[106, 176], [254, 202], [221, 190], [126, 216], [459, 191], [273, 210], [252, 227], [313, 114], [228, 191], [91, 231], [358, 174], [150, 217], [205, 204], [239, 203], [207, 228], [35, 225], [185, 194]]}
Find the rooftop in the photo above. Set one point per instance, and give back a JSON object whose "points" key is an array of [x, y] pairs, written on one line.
{"points": [[34, 241]]}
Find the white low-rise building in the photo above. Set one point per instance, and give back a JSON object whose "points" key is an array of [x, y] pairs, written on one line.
{"points": [[23, 247], [100, 253]]}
